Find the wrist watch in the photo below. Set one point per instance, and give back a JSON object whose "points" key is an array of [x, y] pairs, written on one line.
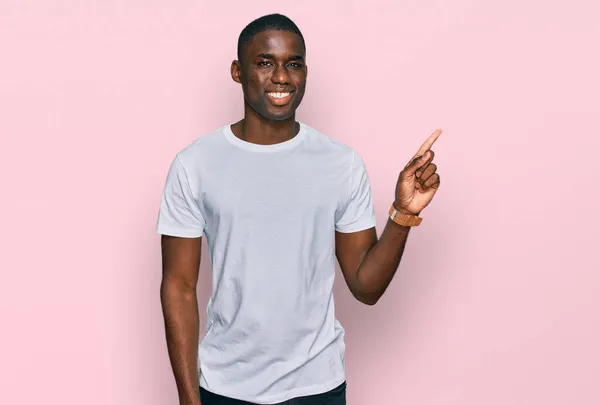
{"points": [[404, 219]]}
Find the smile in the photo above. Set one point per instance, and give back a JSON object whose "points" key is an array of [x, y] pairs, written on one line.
{"points": [[278, 95], [279, 98]]}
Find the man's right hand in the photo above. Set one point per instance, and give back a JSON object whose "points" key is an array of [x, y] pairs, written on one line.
{"points": [[180, 266]]}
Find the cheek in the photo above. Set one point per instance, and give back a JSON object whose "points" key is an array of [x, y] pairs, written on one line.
{"points": [[255, 85], [299, 80], [257, 79]]}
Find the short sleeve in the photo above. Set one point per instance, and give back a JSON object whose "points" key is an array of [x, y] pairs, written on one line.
{"points": [[179, 214], [359, 213]]}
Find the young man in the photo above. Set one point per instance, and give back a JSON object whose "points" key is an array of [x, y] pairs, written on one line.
{"points": [[277, 201]]}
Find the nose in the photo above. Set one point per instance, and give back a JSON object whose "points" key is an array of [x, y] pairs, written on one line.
{"points": [[280, 75]]}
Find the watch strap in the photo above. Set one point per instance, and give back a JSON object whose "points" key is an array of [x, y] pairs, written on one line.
{"points": [[404, 219]]}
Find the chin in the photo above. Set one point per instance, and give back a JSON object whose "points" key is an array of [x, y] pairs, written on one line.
{"points": [[279, 115]]}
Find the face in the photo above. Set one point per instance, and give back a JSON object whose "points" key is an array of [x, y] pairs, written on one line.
{"points": [[272, 72]]}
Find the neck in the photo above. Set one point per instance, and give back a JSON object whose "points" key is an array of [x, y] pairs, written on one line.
{"points": [[259, 130]]}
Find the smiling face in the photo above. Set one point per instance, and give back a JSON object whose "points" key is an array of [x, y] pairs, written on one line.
{"points": [[272, 72]]}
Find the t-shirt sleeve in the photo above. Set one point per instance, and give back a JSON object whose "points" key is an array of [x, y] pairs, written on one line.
{"points": [[359, 213], [179, 214]]}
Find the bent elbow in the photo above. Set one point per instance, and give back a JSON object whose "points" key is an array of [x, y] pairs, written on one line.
{"points": [[369, 300]]}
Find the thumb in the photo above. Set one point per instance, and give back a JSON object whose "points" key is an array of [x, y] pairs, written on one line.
{"points": [[416, 164]]}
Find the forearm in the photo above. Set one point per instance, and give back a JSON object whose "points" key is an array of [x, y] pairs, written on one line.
{"points": [[377, 269], [180, 311]]}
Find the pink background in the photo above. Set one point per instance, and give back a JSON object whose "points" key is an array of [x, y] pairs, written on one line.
{"points": [[496, 300]]}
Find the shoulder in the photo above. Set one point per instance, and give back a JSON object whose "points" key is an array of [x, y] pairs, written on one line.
{"points": [[201, 148], [330, 145]]}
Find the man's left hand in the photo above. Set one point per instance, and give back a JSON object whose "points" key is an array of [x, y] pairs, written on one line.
{"points": [[419, 181]]}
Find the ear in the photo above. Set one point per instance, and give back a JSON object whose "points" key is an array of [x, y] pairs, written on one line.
{"points": [[236, 71]]}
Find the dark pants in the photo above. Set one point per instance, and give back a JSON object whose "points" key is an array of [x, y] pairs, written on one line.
{"points": [[336, 396]]}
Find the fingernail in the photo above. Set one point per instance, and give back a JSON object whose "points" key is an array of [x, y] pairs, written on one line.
{"points": [[418, 174]]}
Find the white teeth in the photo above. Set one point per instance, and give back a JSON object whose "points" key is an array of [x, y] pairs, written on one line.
{"points": [[278, 95]]}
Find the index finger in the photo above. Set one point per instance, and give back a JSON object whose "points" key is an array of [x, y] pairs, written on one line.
{"points": [[429, 142]]}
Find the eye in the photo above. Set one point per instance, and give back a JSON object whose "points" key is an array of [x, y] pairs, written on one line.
{"points": [[296, 65], [264, 63]]}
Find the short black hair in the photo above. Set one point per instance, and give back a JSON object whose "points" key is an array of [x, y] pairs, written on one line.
{"points": [[264, 23]]}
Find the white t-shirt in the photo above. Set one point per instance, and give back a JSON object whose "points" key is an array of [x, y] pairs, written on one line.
{"points": [[269, 214]]}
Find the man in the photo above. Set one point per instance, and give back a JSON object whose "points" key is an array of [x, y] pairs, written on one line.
{"points": [[278, 201]]}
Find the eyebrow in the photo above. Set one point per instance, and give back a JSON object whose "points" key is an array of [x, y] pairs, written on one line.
{"points": [[271, 56]]}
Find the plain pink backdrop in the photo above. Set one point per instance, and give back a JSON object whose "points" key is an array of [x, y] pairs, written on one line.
{"points": [[496, 300]]}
